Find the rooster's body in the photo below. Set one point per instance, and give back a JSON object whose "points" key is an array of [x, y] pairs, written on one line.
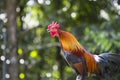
{"points": [[82, 61]]}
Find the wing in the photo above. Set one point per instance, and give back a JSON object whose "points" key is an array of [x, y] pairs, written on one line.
{"points": [[78, 64], [108, 63]]}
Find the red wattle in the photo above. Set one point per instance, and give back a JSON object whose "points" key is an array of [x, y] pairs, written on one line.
{"points": [[53, 33]]}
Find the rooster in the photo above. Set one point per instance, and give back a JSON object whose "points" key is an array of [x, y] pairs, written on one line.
{"points": [[84, 63]]}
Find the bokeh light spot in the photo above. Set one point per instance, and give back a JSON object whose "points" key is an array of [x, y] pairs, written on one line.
{"points": [[22, 61], [33, 54], [20, 51], [21, 75]]}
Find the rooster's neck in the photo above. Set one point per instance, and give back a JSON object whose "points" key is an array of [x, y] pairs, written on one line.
{"points": [[70, 44]]}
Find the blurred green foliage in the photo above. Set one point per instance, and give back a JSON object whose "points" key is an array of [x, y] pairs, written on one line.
{"points": [[95, 23]]}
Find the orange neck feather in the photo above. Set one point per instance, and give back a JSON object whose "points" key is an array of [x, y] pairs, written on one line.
{"points": [[70, 44]]}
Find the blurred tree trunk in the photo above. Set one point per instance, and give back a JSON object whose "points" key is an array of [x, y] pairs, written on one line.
{"points": [[12, 40]]}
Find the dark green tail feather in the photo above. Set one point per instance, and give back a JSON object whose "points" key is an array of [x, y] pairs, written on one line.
{"points": [[109, 64]]}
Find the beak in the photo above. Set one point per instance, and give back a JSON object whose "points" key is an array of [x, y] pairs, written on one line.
{"points": [[48, 30]]}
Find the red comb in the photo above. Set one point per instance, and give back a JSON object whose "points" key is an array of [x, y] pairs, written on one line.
{"points": [[53, 25]]}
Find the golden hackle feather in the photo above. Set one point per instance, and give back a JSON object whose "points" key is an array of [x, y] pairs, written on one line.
{"points": [[70, 44]]}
